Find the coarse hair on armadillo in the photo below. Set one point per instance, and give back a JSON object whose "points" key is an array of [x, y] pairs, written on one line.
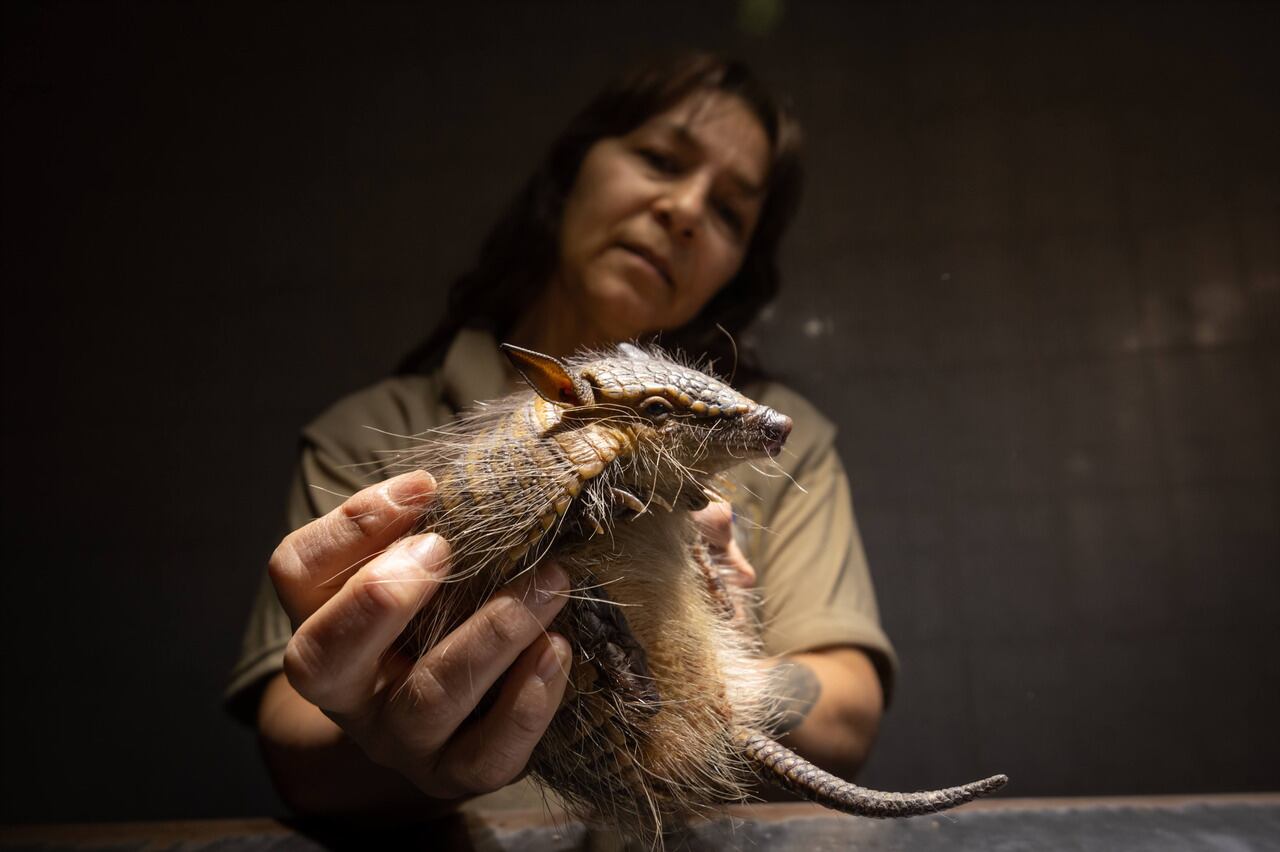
{"points": [[634, 745], [599, 465]]}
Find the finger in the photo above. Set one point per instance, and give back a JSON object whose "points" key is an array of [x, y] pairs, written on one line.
{"points": [[448, 682], [334, 658], [715, 522], [494, 752], [734, 567], [312, 563]]}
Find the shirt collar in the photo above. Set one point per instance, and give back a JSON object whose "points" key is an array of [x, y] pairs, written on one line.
{"points": [[474, 369]]}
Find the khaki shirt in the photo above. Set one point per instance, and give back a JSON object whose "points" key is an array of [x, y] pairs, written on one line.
{"points": [[815, 587]]}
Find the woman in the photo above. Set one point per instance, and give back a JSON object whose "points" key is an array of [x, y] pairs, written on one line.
{"points": [[659, 210]]}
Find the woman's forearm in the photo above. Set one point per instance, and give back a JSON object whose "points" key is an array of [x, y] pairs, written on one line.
{"points": [[319, 771], [833, 706]]}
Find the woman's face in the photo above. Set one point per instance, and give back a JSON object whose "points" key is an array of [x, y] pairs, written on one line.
{"points": [[660, 219]]}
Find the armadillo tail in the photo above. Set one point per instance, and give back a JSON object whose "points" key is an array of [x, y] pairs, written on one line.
{"points": [[787, 769]]}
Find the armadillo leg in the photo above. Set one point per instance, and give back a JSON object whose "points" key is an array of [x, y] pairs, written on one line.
{"points": [[784, 767], [701, 556]]}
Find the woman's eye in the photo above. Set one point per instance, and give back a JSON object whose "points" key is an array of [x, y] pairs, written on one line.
{"points": [[659, 161], [729, 216]]}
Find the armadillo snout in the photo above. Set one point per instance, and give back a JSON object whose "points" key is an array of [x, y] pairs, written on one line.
{"points": [[776, 427]]}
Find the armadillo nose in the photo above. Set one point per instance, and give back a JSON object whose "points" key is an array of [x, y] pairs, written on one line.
{"points": [[777, 427]]}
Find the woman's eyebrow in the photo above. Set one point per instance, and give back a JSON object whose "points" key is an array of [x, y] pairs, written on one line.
{"points": [[682, 134], [687, 138]]}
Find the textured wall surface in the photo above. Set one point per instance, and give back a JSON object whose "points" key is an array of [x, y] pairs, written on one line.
{"points": [[1036, 282]]}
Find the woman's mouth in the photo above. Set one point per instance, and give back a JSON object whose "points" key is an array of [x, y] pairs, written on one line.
{"points": [[652, 259]]}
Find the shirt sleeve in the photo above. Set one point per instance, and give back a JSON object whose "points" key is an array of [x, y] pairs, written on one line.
{"points": [[269, 630], [343, 451]]}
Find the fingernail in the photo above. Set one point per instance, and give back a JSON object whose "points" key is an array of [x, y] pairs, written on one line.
{"points": [[555, 658], [548, 583], [426, 548], [412, 488]]}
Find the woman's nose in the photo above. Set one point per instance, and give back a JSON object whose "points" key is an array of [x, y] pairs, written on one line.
{"points": [[682, 206]]}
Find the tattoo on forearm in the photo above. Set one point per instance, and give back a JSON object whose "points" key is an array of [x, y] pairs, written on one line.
{"points": [[796, 689]]}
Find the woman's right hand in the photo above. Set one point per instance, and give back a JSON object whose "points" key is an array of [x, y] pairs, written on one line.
{"points": [[351, 582]]}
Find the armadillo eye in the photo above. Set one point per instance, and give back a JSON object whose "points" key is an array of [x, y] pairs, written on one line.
{"points": [[656, 407]]}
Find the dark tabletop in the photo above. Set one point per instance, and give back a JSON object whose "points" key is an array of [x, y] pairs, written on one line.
{"points": [[1224, 823]]}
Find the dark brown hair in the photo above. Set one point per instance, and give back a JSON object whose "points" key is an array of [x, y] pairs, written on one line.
{"points": [[519, 255]]}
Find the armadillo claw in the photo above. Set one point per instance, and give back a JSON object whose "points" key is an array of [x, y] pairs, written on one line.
{"points": [[629, 500]]}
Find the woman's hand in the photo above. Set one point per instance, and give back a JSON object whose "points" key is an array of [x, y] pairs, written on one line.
{"points": [[715, 522], [830, 700], [351, 584]]}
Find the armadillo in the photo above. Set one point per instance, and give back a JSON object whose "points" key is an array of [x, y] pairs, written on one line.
{"points": [[599, 465]]}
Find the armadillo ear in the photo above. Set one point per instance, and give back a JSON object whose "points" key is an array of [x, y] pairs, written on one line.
{"points": [[631, 350], [550, 377]]}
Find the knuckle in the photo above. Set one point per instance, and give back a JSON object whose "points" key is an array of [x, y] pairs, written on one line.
{"points": [[491, 770], [503, 620], [303, 667], [366, 514], [528, 722], [372, 511], [375, 597], [283, 566], [430, 705]]}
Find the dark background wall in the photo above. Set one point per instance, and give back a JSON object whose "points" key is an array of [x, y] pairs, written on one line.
{"points": [[1036, 282]]}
